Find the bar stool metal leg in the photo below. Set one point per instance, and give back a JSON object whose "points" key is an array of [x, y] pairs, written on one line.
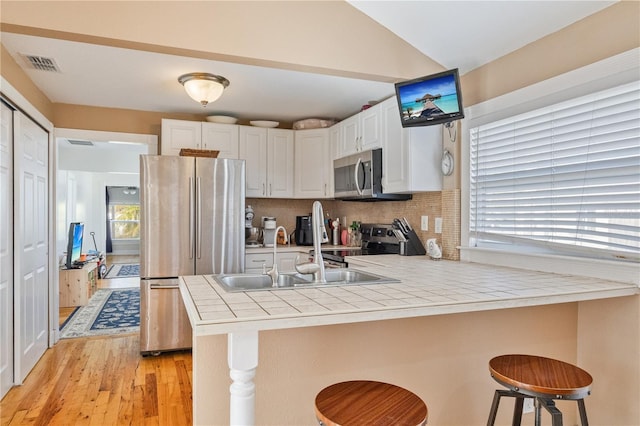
{"points": [[517, 411], [536, 408], [550, 406], [494, 407], [583, 413]]}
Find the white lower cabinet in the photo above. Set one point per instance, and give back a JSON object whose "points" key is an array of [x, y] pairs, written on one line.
{"points": [[313, 164], [286, 261], [254, 261], [268, 154], [410, 156]]}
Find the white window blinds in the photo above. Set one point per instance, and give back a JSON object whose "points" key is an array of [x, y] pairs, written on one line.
{"points": [[566, 176]]}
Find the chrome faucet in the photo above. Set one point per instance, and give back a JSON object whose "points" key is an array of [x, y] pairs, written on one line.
{"points": [[273, 272], [319, 236]]}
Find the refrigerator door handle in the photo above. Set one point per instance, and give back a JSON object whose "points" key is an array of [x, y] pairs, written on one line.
{"points": [[163, 287], [198, 218], [191, 220]]}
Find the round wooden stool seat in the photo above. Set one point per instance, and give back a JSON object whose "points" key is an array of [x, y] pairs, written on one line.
{"points": [[539, 376], [544, 379], [363, 402]]}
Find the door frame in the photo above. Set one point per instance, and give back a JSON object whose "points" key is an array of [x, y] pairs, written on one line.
{"points": [[63, 134]]}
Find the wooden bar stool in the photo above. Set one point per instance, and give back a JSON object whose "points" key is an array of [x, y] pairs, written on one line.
{"points": [[544, 380], [363, 402]]}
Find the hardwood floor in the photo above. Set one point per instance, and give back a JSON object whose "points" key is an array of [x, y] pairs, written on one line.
{"points": [[103, 381]]}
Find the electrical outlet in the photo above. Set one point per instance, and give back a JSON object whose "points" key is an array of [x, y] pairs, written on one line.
{"points": [[424, 223], [438, 225], [527, 407]]}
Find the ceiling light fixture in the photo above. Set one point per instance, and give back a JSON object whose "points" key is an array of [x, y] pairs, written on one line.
{"points": [[203, 87], [130, 190]]}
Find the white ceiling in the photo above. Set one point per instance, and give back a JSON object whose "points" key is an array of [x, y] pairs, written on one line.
{"points": [[456, 34], [469, 34]]}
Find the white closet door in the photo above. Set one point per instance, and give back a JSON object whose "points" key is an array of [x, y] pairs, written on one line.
{"points": [[31, 242], [6, 250]]}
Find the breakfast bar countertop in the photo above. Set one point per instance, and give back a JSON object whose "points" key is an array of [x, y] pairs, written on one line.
{"points": [[427, 288]]}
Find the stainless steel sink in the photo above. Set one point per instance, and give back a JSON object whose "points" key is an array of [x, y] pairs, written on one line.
{"points": [[350, 276], [248, 282], [334, 277]]}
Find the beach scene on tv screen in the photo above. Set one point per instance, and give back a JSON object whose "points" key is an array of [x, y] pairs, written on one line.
{"points": [[429, 99]]}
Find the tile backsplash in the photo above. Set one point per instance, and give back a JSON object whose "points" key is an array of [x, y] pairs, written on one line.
{"points": [[443, 204]]}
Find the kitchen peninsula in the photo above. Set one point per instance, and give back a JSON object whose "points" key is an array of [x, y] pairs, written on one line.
{"points": [[433, 333]]}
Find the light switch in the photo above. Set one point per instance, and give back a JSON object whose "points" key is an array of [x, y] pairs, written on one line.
{"points": [[438, 225], [424, 223]]}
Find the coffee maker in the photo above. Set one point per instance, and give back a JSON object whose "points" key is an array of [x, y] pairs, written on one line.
{"points": [[268, 231], [304, 231]]}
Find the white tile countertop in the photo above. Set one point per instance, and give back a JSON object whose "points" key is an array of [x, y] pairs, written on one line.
{"points": [[427, 288]]}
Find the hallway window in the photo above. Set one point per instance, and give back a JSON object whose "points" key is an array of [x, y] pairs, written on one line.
{"points": [[125, 221], [123, 213]]}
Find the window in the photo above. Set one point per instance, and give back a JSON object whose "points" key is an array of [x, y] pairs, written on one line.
{"points": [[123, 212], [562, 178], [125, 221]]}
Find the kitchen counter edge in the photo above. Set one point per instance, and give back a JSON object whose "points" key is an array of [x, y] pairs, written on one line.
{"points": [[207, 290]]}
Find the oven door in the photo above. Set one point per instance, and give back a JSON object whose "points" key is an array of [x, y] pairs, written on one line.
{"points": [[332, 264], [337, 258], [352, 176]]}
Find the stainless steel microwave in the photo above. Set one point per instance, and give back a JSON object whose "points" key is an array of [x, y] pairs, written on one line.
{"points": [[358, 177]]}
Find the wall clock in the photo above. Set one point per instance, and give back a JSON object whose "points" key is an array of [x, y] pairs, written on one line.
{"points": [[447, 163]]}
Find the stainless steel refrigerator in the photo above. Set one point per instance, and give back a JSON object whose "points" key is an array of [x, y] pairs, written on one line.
{"points": [[192, 223]]}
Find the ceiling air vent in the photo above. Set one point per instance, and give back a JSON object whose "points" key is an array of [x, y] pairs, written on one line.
{"points": [[41, 63], [79, 142]]}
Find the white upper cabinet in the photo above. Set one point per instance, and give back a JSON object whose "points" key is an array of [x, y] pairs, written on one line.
{"points": [[221, 137], [178, 134], [268, 154], [253, 150], [313, 164], [280, 168], [410, 157], [360, 132]]}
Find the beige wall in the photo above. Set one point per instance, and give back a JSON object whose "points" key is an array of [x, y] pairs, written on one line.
{"points": [[443, 359], [609, 348], [614, 30], [84, 117]]}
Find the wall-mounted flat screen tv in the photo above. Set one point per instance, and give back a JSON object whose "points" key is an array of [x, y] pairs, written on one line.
{"points": [[431, 99], [74, 245]]}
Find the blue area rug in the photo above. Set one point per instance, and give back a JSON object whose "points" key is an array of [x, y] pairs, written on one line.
{"points": [[109, 311], [121, 310], [123, 270]]}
